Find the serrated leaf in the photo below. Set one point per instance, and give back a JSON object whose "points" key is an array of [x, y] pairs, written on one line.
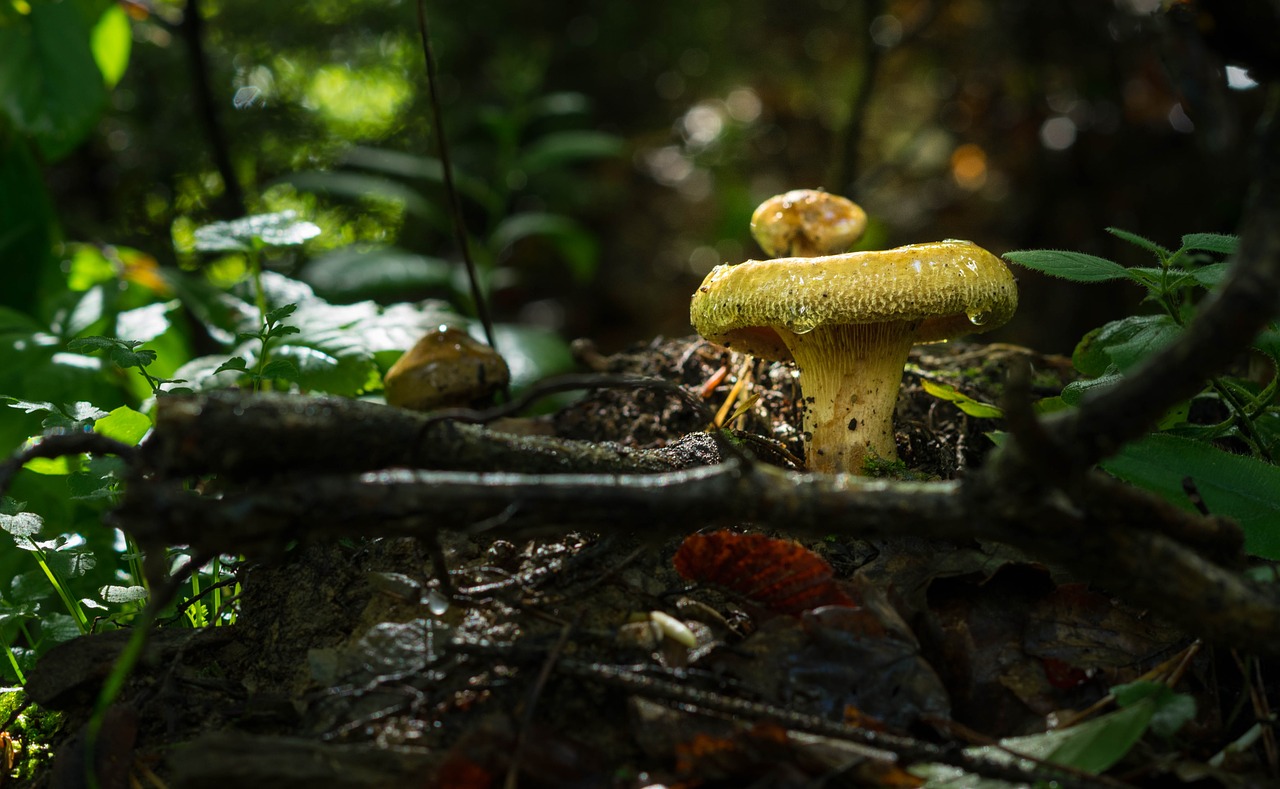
{"points": [[1236, 486], [1123, 343], [1075, 266], [280, 368], [1212, 242], [1212, 274], [280, 313], [94, 344], [22, 524], [965, 403], [31, 407], [139, 358], [1140, 241], [236, 363]]}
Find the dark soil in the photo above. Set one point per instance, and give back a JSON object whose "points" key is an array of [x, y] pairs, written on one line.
{"points": [[348, 667]]}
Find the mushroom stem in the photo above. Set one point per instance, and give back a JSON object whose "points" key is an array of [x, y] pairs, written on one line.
{"points": [[849, 379]]}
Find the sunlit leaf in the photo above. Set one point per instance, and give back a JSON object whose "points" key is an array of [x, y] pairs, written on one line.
{"points": [[22, 524], [238, 235], [965, 403], [50, 86], [110, 42], [124, 425], [123, 594], [145, 323]]}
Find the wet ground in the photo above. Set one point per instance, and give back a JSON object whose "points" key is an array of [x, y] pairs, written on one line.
{"points": [[576, 660]]}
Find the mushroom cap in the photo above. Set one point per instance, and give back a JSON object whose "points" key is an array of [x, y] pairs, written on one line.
{"points": [[951, 288], [445, 369], [807, 222]]}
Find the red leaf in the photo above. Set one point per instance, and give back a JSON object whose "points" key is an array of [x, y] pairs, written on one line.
{"points": [[779, 574]]}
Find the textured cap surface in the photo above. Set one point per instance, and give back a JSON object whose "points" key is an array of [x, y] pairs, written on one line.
{"points": [[807, 222], [951, 287]]}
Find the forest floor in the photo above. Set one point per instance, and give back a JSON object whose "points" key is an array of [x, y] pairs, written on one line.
{"points": [[349, 667]]}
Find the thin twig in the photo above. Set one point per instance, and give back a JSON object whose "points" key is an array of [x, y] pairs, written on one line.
{"points": [[451, 191], [531, 704]]}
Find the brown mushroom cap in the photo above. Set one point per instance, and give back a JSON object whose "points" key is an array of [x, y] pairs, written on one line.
{"points": [[807, 222], [445, 369], [951, 288]]}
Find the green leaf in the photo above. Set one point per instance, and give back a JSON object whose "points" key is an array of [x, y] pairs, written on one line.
{"points": [[1075, 266], [561, 148], [280, 313], [126, 359], [354, 273], [1212, 274], [1140, 241], [1211, 242], [1172, 710], [1236, 486], [576, 246], [28, 228], [123, 594], [965, 403], [110, 42], [236, 363], [124, 425], [1096, 745], [50, 86], [361, 187], [280, 369], [144, 324], [22, 524], [280, 229], [1123, 343], [428, 168], [532, 354]]}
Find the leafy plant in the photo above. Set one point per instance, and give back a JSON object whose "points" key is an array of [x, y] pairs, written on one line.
{"points": [[1221, 444], [514, 156]]}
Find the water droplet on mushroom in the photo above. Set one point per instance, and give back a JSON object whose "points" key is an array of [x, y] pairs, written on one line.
{"points": [[979, 317]]}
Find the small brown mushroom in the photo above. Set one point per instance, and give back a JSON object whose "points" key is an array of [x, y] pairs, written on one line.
{"points": [[848, 321], [445, 369], [807, 222]]}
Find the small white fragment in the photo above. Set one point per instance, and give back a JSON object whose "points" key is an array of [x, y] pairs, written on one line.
{"points": [[674, 629]]}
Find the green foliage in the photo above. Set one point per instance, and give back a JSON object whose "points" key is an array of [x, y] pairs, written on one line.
{"points": [[1223, 442], [1094, 746], [510, 155]]}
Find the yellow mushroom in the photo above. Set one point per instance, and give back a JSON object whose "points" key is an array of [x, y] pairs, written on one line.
{"points": [[806, 223], [848, 322]]}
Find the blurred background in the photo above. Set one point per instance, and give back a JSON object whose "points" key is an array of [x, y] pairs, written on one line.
{"points": [[609, 154]]}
